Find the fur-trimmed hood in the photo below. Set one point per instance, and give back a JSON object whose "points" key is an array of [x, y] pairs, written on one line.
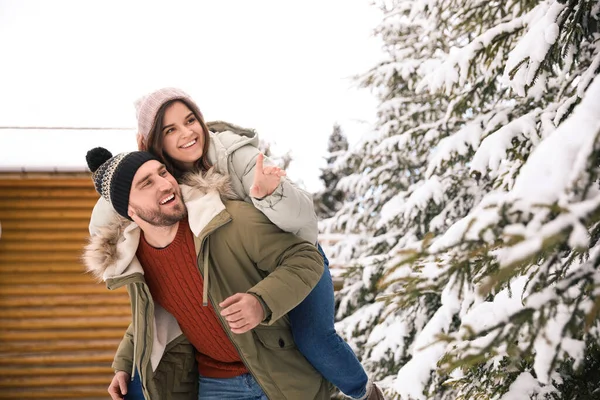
{"points": [[110, 252]]}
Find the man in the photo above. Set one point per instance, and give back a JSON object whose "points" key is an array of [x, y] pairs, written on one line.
{"points": [[210, 282]]}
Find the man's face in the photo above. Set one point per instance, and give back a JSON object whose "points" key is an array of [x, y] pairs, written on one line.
{"points": [[155, 196]]}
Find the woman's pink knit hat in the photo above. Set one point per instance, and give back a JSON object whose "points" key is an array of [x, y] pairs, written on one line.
{"points": [[147, 106]]}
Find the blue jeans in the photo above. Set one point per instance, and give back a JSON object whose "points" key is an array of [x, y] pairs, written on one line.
{"points": [[134, 389], [242, 387], [316, 338]]}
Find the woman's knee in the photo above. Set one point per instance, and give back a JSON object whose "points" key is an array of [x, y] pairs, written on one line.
{"points": [[311, 339]]}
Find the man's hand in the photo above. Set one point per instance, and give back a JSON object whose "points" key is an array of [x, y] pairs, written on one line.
{"points": [[266, 179], [242, 311], [118, 386]]}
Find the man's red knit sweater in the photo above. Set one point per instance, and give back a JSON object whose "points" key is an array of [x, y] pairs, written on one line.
{"points": [[176, 284]]}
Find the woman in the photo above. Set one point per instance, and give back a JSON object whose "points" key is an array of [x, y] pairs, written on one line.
{"points": [[171, 126]]}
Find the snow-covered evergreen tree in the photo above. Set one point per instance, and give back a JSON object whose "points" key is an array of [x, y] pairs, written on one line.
{"points": [[330, 199], [474, 221]]}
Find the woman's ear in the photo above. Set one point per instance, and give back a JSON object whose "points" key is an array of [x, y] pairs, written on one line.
{"points": [[141, 142]]}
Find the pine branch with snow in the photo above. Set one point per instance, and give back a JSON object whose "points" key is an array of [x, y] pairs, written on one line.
{"points": [[476, 202]]}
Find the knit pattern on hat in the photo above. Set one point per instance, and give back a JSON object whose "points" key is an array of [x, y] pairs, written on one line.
{"points": [[147, 107], [113, 178], [104, 175]]}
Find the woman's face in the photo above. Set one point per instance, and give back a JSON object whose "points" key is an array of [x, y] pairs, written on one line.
{"points": [[183, 137]]}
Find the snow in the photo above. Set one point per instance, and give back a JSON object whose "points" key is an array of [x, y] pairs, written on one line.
{"points": [[368, 272], [536, 235], [429, 191], [556, 164], [455, 69], [522, 388], [551, 33], [590, 74], [388, 336], [459, 143], [494, 147], [534, 45], [575, 349], [359, 320], [539, 87], [519, 252], [552, 165], [564, 108], [392, 208], [579, 237], [489, 313], [505, 192], [470, 227], [414, 375], [547, 342]]}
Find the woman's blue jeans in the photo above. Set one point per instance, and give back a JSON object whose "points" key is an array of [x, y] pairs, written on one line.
{"points": [[315, 336]]}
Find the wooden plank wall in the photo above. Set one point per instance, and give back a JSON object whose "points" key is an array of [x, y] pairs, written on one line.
{"points": [[59, 329]]}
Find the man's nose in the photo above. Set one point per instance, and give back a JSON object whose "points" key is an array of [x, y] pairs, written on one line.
{"points": [[164, 184]]}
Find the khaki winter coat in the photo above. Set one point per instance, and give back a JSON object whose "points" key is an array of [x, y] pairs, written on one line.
{"points": [[238, 250]]}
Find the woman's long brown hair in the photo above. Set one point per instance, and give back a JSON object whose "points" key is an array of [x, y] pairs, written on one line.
{"points": [[155, 140]]}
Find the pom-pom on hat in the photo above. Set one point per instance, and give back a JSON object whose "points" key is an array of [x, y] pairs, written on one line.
{"points": [[113, 176]]}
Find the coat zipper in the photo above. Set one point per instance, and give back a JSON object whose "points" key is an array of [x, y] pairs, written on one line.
{"points": [[220, 317], [144, 363], [228, 333]]}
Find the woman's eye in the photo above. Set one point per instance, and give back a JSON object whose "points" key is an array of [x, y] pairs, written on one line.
{"points": [[191, 121], [170, 130]]}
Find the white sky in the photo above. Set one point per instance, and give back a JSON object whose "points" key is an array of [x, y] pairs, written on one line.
{"points": [[281, 67]]}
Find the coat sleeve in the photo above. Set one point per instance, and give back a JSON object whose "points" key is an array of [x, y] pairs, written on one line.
{"points": [[288, 207], [102, 214], [294, 266], [123, 360]]}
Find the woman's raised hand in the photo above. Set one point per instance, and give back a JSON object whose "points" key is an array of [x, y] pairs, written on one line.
{"points": [[266, 179]]}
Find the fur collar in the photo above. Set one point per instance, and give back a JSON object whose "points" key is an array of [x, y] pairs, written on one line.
{"points": [[110, 252]]}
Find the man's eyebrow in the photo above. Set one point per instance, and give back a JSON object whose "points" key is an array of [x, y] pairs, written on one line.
{"points": [[145, 178]]}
